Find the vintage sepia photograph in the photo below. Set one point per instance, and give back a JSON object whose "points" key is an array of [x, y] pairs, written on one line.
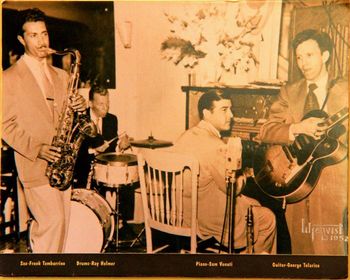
{"points": [[175, 138]]}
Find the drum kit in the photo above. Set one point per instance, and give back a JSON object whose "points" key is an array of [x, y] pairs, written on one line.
{"points": [[151, 143], [93, 220]]}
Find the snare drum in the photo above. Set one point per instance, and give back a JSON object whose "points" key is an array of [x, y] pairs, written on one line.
{"points": [[91, 224], [112, 170]]}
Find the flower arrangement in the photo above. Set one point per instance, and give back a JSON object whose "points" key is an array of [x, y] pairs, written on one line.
{"points": [[219, 33]]}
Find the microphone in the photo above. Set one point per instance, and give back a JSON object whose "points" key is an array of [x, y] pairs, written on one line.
{"points": [[233, 162]]}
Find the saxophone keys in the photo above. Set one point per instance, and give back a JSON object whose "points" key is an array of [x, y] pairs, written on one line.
{"points": [[103, 222]]}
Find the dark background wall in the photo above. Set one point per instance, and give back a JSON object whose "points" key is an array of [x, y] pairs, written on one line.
{"points": [[86, 26]]}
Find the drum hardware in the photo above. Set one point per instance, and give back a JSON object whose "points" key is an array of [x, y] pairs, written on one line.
{"points": [[115, 195], [114, 171], [138, 238], [151, 143], [117, 217], [90, 175]]}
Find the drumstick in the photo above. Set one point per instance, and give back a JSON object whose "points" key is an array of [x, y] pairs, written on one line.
{"points": [[110, 141]]}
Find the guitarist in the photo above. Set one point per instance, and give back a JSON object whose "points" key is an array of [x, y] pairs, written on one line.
{"points": [[317, 224]]}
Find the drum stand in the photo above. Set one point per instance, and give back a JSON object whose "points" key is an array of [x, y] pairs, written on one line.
{"points": [[114, 195], [138, 238]]}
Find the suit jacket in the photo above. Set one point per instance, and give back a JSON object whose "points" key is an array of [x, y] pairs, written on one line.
{"points": [[26, 120], [83, 164], [327, 204], [201, 142]]}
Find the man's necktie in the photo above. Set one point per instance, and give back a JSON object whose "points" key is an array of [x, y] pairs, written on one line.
{"points": [[48, 89], [98, 126], [311, 102]]}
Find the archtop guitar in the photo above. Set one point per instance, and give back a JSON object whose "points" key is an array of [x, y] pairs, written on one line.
{"points": [[291, 172]]}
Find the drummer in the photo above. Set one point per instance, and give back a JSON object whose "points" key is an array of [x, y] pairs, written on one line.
{"points": [[106, 139]]}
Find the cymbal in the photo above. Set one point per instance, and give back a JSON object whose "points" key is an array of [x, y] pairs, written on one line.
{"points": [[151, 143]]}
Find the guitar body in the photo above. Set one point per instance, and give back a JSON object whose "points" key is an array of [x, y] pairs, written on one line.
{"points": [[291, 172]]}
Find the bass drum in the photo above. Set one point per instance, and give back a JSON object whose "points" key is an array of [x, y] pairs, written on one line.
{"points": [[91, 225]]}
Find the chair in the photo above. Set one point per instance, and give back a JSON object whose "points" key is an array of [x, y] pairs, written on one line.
{"points": [[169, 195]]}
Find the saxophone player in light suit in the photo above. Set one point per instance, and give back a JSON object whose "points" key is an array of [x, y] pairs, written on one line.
{"points": [[33, 96]]}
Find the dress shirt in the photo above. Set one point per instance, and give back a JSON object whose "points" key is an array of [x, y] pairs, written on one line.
{"points": [[98, 122], [36, 67]]}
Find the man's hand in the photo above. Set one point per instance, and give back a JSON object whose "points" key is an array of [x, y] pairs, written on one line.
{"points": [[240, 183], [124, 143], [103, 147], [314, 127], [78, 103], [49, 153]]}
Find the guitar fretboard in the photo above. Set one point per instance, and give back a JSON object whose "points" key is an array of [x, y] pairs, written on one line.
{"points": [[338, 117]]}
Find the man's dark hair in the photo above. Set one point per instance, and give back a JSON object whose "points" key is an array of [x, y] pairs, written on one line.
{"points": [[322, 39], [29, 15], [206, 101], [97, 89]]}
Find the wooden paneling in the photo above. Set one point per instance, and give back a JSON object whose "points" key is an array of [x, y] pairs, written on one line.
{"points": [[333, 19]]}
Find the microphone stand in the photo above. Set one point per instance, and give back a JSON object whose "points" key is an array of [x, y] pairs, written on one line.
{"points": [[233, 164], [231, 188]]}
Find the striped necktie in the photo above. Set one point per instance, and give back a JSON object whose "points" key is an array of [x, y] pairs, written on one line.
{"points": [[311, 102]]}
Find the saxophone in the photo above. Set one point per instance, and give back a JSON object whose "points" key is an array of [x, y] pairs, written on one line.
{"points": [[71, 131]]}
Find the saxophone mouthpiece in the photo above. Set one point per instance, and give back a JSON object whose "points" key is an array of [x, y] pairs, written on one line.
{"points": [[50, 51]]}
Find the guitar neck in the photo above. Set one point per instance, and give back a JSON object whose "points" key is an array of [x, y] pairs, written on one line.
{"points": [[337, 118]]}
